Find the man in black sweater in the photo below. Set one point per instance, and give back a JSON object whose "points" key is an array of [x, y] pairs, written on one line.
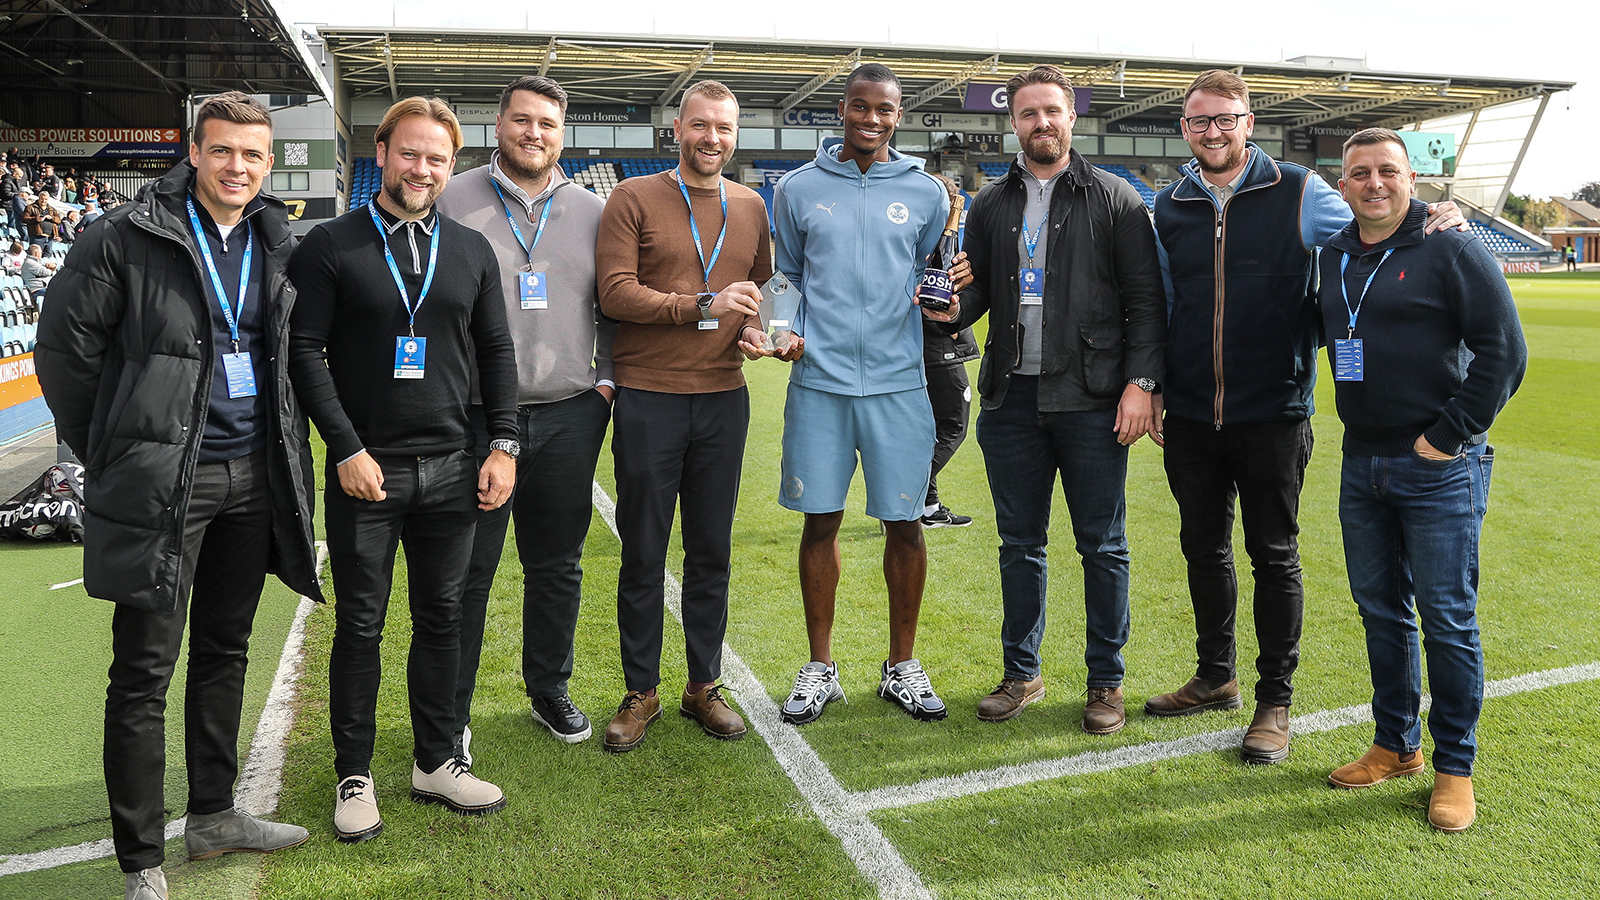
{"points": [[379, 353], [1426, 350]]}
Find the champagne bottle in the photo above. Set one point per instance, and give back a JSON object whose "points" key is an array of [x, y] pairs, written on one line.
{"points": [[936, 288]]}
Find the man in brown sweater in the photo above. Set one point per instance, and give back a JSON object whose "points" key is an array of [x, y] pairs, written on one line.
{"points": [[678, 260]]}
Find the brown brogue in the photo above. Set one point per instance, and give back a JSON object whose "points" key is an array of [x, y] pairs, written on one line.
{"points": [[633, 718], [1103, 713], [1195, 697], [1005, 701], [1452, 807], [715, 716], [1376, 766], [1267, 739]]}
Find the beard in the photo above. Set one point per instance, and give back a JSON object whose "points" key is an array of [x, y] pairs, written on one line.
{"points": [[511, 162], [408, 199], [702, 166], [1228, 164], [1047, 149]]}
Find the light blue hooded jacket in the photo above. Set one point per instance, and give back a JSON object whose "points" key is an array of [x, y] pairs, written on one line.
{"points": [[855, 244]]}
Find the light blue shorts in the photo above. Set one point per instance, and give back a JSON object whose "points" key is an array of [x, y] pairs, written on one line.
{"points": [[823, 432]]}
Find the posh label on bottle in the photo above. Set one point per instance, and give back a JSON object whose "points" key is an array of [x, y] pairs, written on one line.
{"points": [[935, 290]]}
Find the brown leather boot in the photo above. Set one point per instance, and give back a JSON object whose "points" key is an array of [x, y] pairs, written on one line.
{"points": [[1375, 766], [1452, 807], [1267, 739], [1195, 697], [1103, 713], [715, 716], [1005, 701], [633, 718]]}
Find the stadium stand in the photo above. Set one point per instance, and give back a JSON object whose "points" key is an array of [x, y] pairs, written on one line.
{"points": [[365, 177], [1498, 242], [1145, 191], [993, 169]]}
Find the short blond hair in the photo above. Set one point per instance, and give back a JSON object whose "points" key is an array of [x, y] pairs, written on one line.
{"points": [[426, 107], [714, 91], [1222, 83]]}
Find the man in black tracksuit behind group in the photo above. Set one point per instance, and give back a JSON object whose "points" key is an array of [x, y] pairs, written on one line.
{"points": [[379, 351]]}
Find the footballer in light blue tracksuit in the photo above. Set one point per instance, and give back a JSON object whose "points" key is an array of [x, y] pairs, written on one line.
{"points": [[854, 231]]}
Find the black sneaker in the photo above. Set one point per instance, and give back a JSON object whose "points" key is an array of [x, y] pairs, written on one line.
{"points": [[944, 518], [566, 721]]}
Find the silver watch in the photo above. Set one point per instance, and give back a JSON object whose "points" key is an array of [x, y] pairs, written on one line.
{"points": [[704, 302], [1144, 384], [507, 446]]}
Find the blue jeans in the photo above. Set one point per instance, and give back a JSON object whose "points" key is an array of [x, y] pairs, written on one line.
{"points": [[1023, 450], [1411, 532]]}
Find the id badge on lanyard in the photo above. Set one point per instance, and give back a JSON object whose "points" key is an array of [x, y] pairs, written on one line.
{"points": [[532, 290]]}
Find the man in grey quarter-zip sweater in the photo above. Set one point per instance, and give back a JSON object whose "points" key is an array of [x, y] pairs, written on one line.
{"points": [[542, 228]]}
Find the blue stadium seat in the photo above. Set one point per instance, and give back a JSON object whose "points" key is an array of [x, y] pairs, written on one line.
{"points": [[1146, 192], [1499, 242]]}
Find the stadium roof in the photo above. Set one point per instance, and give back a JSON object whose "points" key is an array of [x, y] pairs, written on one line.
{"points": [[472, 66], [123, 61]]}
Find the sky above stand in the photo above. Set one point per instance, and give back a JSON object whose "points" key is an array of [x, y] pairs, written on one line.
{"points": [[1471, 38]]}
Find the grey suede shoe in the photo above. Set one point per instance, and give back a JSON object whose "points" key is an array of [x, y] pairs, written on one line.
{"points": [[151, 884], [234, 829]]}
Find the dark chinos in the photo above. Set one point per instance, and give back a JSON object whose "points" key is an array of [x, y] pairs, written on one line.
{"points": [[552, 505], [1262, 465], [687, 448], [1023, 449], [226, 538], [944, 361], [431, 506]]}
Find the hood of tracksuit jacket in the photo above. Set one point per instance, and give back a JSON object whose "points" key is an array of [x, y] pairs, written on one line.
{"points": [[856, 244]]}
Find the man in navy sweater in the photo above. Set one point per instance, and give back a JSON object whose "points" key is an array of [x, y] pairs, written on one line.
{"points": [[1426, 350]]}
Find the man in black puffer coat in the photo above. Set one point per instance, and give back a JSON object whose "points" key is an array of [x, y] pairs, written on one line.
{"points": [[173, 390]]}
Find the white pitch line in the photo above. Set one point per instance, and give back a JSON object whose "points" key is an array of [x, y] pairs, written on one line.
{"points": [[262, 774], [874, 855], [66, 584], [951, 787]]}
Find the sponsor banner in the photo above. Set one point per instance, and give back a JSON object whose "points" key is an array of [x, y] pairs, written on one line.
{"points": [[1145, 127], [932, 121], [748, 118], [607, 114], [1301, 141], [812, 118], [984, 144], [311, 209], [88, 143], [1520, 267], [475, 113], [983, 96], [18, 383]]}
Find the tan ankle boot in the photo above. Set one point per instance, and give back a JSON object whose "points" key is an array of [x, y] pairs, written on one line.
{"points": [[1452, 807], [1375, 766]]}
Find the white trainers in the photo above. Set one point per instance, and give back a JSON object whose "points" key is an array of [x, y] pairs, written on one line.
{"points": [[453, 785], [907, 685], [815, 687], [355, 810], [149, 884]]}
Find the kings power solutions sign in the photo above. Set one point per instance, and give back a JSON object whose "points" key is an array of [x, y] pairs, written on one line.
{"points": [[88, 143]]}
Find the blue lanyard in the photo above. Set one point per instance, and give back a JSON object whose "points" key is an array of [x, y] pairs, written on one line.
{"points": [[230, 315], [1032, 243], [388, 256], [1346, 290], [694, 230], [543, 218]]}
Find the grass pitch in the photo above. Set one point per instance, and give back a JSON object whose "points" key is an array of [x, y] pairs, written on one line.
{"points": [[685, 816]]}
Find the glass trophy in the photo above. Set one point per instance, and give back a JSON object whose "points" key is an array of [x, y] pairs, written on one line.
{"points": [[780, 305]]}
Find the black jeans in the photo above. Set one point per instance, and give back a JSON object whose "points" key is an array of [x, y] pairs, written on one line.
{"points": [[552, 506], [1263, 465], [432, 506], [951, 397], [672, 449], [227, 533]]}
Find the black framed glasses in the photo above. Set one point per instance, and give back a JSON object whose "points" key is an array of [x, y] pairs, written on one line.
{"points": [[1224, 122]]}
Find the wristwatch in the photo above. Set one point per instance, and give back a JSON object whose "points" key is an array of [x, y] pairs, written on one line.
{"points": [[704, 302], [1144, 384], [507, 446]]}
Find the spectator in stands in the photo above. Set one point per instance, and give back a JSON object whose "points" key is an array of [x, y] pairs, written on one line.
{"points": [[1415, 482], [1064, 261], [42, 220], [69, 191], [678, 259], [855, 228], [91, 212], [12, 261], [542, 228], [202, 484], [36, 272], [8, 195], [944, 358], [393, 411], [48, 181], [18, 200], [1237, 407], [70, 226]]}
